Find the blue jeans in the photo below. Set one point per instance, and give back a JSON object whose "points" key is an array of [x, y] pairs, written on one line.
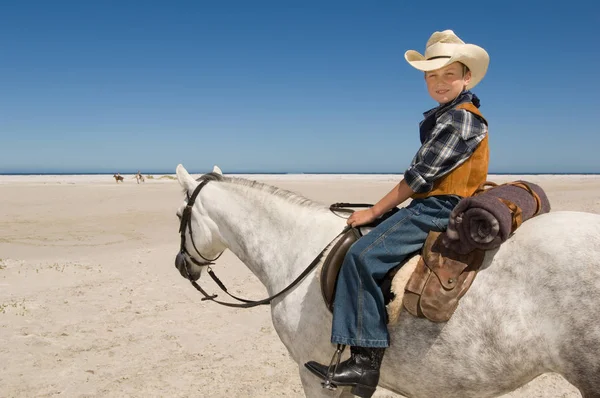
{"points": [[359, 314]]}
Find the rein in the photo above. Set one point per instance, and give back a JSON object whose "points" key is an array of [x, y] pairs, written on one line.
{"points": [[186, 222], [342, 207], [249, 303]]}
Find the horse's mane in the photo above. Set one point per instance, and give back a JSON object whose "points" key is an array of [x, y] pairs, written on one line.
{"points": [[289, 196]]}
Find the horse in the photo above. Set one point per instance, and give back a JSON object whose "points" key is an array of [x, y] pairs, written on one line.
{"points": [[139, 177], [118, 177], [532, 309]]}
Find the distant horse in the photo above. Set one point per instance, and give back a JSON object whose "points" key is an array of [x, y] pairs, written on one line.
{"points": [[532, 309], [118, 178], [139, 177]]}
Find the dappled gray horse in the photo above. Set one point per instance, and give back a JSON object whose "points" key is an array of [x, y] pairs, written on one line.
{"points": [[534, 307]]}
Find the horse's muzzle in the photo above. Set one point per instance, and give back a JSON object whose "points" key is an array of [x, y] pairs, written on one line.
{"points": [[181, 263]]}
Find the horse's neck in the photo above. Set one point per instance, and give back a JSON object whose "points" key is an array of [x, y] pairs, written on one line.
{"points": [[273, 236]]}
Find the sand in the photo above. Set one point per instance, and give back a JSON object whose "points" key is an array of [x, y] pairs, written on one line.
{"points": [[92, 306]]}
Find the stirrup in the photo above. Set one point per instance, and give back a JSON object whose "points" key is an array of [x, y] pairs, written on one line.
{"points": [[337, 355]]}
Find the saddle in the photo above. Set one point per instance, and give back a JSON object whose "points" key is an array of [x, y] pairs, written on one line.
{"points": [[333, 263], [440, 278]]}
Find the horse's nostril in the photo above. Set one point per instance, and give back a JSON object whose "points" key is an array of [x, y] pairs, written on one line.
{"points": [[180, 260], [182, 265]]}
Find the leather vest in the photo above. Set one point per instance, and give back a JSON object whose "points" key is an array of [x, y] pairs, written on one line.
{"points": [[466, 178]]}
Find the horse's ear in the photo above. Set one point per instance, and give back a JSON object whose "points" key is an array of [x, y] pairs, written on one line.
{"points": [[185, 179], [217, 170]]}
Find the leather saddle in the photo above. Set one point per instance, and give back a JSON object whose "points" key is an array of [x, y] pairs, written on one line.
{"points": [[440, 279], [333, 263]]}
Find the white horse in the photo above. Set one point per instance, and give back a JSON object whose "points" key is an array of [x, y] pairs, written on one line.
{"points": [[534, 307]]}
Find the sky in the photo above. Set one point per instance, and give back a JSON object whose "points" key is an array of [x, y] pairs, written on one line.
{"points": [[285, 86]]}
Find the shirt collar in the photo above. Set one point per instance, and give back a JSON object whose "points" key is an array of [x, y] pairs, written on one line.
{"points": [[465, 96]]}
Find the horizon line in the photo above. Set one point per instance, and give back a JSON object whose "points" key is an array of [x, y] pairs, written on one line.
{"points": [[49, 173]]}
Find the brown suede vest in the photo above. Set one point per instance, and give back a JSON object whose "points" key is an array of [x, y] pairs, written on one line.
{"points": [[466, 178]]}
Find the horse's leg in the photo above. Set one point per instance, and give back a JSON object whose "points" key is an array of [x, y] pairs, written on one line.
{"points": [[577, 359], [579, 363], [588, 385]]}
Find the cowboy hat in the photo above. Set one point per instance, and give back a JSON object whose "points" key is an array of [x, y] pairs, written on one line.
{"points": [[444, 48]]}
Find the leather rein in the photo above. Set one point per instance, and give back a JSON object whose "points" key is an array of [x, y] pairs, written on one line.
{"points": [[186, 223]]}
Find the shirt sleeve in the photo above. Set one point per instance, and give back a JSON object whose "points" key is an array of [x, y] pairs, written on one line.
{"points": [[452, 141]]}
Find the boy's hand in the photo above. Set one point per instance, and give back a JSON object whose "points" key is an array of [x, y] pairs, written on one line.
{"points": [[361, 217]]}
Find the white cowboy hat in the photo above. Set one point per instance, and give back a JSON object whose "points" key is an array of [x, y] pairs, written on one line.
{"points": [[444, 48]]}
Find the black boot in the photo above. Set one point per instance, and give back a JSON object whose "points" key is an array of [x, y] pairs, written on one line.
{"points": [[361, 371]]}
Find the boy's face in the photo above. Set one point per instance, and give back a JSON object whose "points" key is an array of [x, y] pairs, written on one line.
{"points": [[447, 83]]}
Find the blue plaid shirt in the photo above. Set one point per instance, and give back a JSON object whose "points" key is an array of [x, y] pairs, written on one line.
{"points": [[448, 138]]}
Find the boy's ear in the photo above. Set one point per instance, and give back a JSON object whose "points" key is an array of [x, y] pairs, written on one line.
{"points": [[467, 78], [185, 179]]}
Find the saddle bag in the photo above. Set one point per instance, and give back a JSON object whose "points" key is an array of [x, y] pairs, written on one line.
{"points": [[440, 279]]}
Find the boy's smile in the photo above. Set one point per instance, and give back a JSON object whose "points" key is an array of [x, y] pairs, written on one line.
{"points": [[445, 84]]}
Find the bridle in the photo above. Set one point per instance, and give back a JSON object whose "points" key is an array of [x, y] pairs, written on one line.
{"points": [[186, 221], [182, 264]]}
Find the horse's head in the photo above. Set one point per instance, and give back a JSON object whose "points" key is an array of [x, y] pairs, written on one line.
{"points": [[201, 243]]}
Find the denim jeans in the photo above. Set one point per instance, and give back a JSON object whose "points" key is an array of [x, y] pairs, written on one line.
{"points": [[359, 314]]}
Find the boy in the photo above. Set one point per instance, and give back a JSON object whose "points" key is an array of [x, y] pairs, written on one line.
{"points": [[451, 163]]}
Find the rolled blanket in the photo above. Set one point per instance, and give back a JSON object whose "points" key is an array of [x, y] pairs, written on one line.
{"points": [[486, 219]]}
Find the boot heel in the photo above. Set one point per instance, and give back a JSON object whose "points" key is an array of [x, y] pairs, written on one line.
{"points": [[363, 391]]}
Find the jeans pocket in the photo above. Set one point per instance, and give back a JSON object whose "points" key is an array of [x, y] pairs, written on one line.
{"points": [[415, 207], [388, 240], [440, 223], [440, 219]]}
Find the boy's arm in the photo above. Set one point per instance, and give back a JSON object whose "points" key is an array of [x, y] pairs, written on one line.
{"points": [[453, 140], [397, 195]]}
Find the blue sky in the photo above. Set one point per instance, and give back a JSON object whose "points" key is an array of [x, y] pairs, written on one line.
{"points": [[284, 86]]}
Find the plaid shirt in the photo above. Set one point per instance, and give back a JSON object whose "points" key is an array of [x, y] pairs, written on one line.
{"points": [[448, 138]]}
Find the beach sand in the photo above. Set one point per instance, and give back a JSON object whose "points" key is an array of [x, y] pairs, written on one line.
{"points": [[91, 304]]}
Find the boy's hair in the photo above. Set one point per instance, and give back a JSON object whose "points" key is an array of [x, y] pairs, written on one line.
{"points": [[465, 69]]}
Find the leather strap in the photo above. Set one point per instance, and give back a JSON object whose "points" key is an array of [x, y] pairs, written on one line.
{"points": [[250, 303], [516, 211], [538, 201]]}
